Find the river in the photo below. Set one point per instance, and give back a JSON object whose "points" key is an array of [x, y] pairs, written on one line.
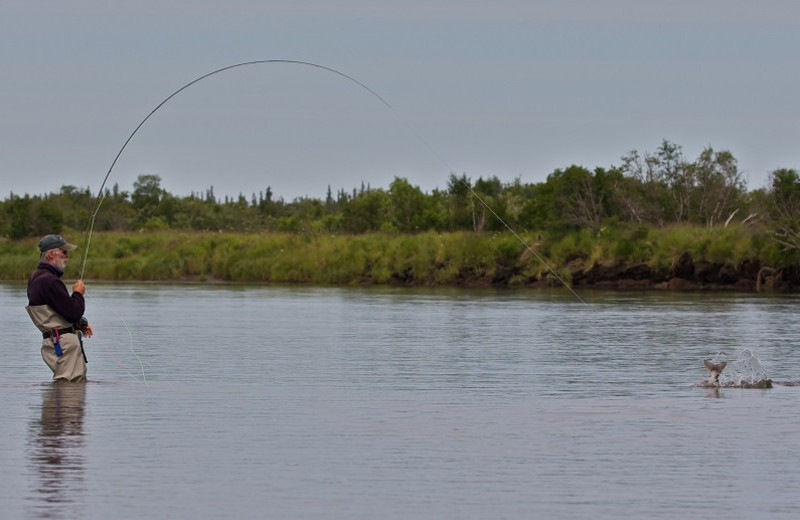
{"points": [[362, 403]]}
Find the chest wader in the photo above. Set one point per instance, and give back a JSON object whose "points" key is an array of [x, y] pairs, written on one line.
{"points": [[62, 345]]}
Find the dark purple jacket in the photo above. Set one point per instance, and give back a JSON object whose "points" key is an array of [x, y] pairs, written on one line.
{"points": [[46, 288]]}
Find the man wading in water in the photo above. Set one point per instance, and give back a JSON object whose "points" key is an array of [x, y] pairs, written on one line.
{"points": [[57, 314]]}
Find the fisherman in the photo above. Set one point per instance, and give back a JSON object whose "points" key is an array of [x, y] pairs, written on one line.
{"points": [[57, 314]]}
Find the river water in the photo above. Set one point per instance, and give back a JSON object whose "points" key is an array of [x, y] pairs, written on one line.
{"points": [[362, 403]]}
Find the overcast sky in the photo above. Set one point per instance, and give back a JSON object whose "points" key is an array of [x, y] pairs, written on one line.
{"points": [[513, 89]]}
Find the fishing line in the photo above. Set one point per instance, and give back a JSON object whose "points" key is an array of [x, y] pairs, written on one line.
{"points": [[102, 192], [524, 244], [130, 345]]}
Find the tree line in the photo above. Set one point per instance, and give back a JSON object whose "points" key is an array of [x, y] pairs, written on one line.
{"points": [[650, 189]]}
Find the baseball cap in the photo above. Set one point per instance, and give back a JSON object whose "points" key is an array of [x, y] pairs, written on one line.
{"points": [[49, 242]]}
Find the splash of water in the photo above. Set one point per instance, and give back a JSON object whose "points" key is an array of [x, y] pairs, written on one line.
{"points": [[745, 370]]}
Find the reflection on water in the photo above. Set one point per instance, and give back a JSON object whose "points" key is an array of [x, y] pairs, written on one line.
{"points": [[57, 453]]}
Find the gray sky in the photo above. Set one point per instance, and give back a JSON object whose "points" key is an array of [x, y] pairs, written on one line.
{"points": [[504, 88]]}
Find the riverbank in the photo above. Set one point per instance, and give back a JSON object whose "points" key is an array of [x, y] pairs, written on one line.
{"points": [[681, 258]]}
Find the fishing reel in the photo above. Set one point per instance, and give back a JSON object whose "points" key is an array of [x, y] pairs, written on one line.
{"points": [[82, 323]]}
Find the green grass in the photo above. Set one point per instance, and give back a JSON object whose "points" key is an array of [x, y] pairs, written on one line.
{"points": [[386, 258]]}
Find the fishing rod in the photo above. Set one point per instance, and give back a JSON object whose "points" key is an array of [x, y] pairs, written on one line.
{"points": [[102, 192]]}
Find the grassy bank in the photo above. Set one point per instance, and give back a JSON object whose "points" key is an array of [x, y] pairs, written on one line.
{"points": [[424, 259]]}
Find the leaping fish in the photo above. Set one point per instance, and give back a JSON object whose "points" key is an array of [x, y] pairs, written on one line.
{"points": [[714, 370]]}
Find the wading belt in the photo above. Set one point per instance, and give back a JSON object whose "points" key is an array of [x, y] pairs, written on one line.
{"points": [[56, 335], [57, 332]]}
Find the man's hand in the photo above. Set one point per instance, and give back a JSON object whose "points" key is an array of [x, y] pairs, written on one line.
{"points": [[78, 287], [84, 327], [87, 331]]}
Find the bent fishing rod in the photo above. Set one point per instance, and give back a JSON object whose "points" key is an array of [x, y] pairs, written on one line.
{"points": [[102, 191]]}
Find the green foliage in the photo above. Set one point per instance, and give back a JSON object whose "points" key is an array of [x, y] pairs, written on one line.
{"points": [[406, 205], [632, 245], [671, 243], [18, 211], [655, 190], [17, 258], [428, 258], [729, 245], [652, 208]]}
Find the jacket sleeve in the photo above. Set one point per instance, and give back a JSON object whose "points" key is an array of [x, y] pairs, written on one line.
{"points": [[71, 308]]}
